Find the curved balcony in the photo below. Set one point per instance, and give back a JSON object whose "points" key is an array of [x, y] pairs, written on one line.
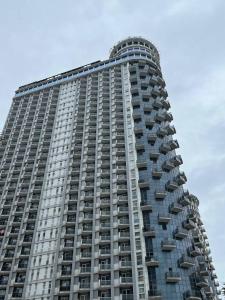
{"points": [[186, 262], [151, 260], [175, 208], [168, 245], [194, 251], [171, 186], [161, 132], [184, 200], [192, 295], [164, 218], [146, 206], [208, 291], [160, 195], [149, 231], [154, 156], [156, 174], [167, 166], [164, 148], [143, 183], [152, 137], [201, 282], [181, 178], [180, 233], [177, 160], [172, 277], [188, 224]]}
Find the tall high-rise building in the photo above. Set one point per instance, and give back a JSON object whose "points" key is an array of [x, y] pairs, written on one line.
{"points": [[92, 198]]}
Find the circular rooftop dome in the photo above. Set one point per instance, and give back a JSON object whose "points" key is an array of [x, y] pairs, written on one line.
{"points": [[132, 44]]}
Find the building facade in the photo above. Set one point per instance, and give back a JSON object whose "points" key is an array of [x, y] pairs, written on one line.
{"points": [[92, 198]]}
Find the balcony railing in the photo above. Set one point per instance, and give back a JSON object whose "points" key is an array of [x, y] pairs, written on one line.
{"points": [[126, 279]]}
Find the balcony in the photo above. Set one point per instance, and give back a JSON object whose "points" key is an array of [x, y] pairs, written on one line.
{"points": [[124, 264], [164, 218], [123, 222], [104, 267], [162, 132], [121, 178], [85, 255], [105, 192], [87, 217], [188, 224], [104, 251], [175, 208], [160, 195], [124, 235], [85, 269], [85, 285], [192, 295], [154, 295], [152, 137], [159, 117], [68, 243], [167, 166], [23, 264], [171, 186], [104, 226], [140, 147], [105, 282], [146, 206], [202, 282], [168, 245], [156, 174], [172, 277], [86, 241], [180, 233], [124, 248], [186, 262], [104, 202], [121, 188], [141, 165], [149, 230], [184, 201], [151, 260], [203, 271], [123, 209], [154, 156], [208, 291], [194, 251], [143, 183], [67, 257], [173, 144], [164, 148], [9, 254], [105, 238], [87, 228], [126, 280], [181, 178], [177, 160], [127, 297]]}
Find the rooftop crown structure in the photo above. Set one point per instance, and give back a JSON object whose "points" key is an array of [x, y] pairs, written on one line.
{"points": [[93, 204]]}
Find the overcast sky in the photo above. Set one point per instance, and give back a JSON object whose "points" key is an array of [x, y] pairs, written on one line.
{"points": [[42, 38]]}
